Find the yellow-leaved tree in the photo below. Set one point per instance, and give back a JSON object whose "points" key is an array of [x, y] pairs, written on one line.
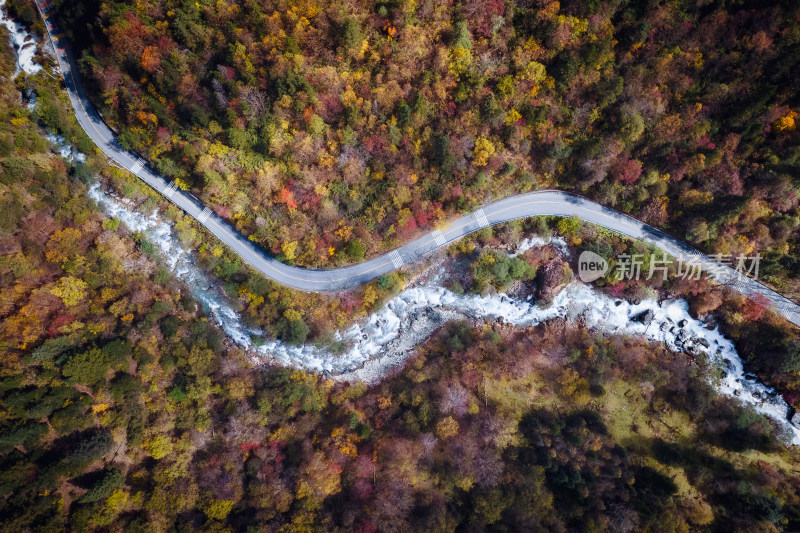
{"points": [[447, 427], [484, 149], [70, 289]]}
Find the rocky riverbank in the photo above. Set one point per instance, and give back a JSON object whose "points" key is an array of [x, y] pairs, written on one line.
{"points": [[384, 340], [23, 43]]}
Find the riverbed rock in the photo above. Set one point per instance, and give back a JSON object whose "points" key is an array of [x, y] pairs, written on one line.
{"points": [[645, 317], [552, 278]]}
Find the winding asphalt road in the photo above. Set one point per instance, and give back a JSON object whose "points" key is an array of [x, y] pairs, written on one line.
{"points": [[538, 203]]}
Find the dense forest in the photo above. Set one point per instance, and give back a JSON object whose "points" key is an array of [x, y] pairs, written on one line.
{"points": [[123, 408], [327, 131]]}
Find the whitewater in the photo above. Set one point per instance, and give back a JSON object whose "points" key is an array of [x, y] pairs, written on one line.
{"points": [[386, 338], [22, 41], [383, 340]]}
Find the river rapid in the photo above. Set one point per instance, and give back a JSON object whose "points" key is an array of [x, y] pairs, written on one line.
{"points": [[383, 340], [22, 41]]}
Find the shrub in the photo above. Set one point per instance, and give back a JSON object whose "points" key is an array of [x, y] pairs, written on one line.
{"points": [[356, 250], [498, 270]]}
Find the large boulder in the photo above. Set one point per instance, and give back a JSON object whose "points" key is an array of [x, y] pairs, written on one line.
{"points": [[552, 277], [644, 317]]}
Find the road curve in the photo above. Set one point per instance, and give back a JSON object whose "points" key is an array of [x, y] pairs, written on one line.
{"points": [[547, 202]]}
